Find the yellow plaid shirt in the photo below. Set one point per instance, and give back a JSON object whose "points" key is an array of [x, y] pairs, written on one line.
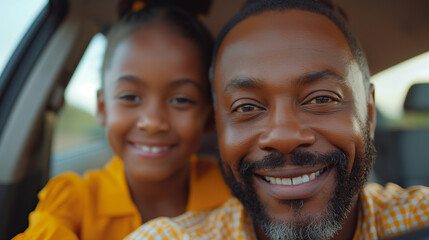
{"points": [[383, 212]]}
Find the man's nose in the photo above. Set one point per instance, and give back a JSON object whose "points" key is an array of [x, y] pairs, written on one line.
{"points": [[286, 131], [153, 119]]}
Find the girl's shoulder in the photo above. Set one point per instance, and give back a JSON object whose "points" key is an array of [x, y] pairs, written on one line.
{"points": [[65, 184], [111, 174], [62, 198], [207, 187], [70, 188]]}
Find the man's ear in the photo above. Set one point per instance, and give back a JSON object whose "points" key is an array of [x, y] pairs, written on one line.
{"points": [[372, 112], [101, 108], [210, 121]]}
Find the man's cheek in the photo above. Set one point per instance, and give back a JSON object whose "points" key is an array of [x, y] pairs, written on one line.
{"points": [[340, 134], [228, 144], [231, 150]]}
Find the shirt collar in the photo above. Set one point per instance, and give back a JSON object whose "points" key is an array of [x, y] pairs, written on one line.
{"points": [[114, 197]]}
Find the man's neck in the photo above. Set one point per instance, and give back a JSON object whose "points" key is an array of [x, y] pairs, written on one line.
{"points": [[349, 227]]}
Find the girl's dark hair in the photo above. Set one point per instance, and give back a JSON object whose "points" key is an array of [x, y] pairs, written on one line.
{"points": [[181, 16]]}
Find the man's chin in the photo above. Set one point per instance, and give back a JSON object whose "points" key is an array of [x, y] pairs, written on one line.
{"points": [[320, 226], [294, 211]]}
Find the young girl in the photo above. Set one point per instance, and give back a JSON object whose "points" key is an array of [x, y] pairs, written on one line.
{"points": [[155, 104]]}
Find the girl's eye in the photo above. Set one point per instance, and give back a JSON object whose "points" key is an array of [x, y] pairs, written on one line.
{"points": [[246, 108], [182, 101], [322, 100], [129, 98]]}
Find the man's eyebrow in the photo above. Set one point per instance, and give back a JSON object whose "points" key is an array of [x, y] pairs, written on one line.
{"points": [[185, 81], [240, 83], [318, 75]]}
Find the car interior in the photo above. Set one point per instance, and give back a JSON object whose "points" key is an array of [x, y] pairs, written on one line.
{"points": [[402, 152], [38, 126]]}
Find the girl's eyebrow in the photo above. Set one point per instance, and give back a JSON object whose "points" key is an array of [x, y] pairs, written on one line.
{"points": [[130, 78], [185, 81], [176, 83]]}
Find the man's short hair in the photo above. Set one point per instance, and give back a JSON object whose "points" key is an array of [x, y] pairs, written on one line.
{"points": [[255, 7]]}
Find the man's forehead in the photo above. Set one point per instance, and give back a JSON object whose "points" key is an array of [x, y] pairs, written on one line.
{"points": [[293, 19], [273, 34]]}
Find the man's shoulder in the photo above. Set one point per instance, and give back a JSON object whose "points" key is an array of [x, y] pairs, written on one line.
{"points": [[412, 202], [392, 194], [392, 210], [228, 220]]}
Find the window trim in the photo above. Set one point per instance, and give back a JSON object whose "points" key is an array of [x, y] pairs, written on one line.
{"points": [[26, 54]]}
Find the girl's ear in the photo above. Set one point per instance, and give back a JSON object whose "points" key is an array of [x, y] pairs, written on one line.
{"points": [[210, 121], [101, 108]]}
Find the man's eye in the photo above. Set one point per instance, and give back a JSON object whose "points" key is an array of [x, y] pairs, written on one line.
{"points": [[322, 99], [246, 108], [129, 98]]}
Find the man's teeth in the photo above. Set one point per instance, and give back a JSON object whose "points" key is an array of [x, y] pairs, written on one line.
{"points": [[153, 149], [296, 180]]}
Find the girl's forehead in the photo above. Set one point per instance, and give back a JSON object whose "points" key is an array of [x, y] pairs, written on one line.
{"points": [[156, 38], [156, 52]]}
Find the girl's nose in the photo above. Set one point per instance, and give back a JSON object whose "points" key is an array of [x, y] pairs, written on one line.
{"points": [[153, 120]]}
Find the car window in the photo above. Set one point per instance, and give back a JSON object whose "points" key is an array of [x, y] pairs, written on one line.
{"points": [[392, 85], [77, 128], [15, 18]]}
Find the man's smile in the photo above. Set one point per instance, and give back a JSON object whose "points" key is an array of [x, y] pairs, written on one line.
{"points": [[295, 180], [297, 183]]}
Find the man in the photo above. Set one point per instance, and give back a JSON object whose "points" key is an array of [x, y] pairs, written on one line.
{"points": [[295, 116]]}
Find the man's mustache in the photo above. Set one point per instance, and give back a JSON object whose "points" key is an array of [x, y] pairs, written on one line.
{"points": [[300, 157]]}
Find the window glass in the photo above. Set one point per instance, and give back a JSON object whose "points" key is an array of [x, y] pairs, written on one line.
{"points": [[83, 86], [392, 85], [15, 18], [76, 124]]}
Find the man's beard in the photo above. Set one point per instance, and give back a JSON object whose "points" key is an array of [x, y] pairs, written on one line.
{"points": [[331, 219]]}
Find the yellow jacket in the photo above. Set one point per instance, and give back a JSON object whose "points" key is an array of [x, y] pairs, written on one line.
{"points": [[99, 205]]}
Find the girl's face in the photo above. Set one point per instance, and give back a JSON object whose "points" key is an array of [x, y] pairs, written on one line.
{"points": [[155, 104]]}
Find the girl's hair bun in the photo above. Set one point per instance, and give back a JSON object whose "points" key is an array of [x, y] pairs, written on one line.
{"points": [[194, 7]]}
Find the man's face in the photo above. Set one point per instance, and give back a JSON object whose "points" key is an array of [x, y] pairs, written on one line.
{"points": [[294, 122]]}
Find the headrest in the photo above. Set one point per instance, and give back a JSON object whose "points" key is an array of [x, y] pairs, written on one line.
{"points": [[417, 98]]}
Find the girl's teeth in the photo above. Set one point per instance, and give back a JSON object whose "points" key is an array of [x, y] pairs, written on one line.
{"points": [[154, 149], [146, 148], [293, 181]]}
